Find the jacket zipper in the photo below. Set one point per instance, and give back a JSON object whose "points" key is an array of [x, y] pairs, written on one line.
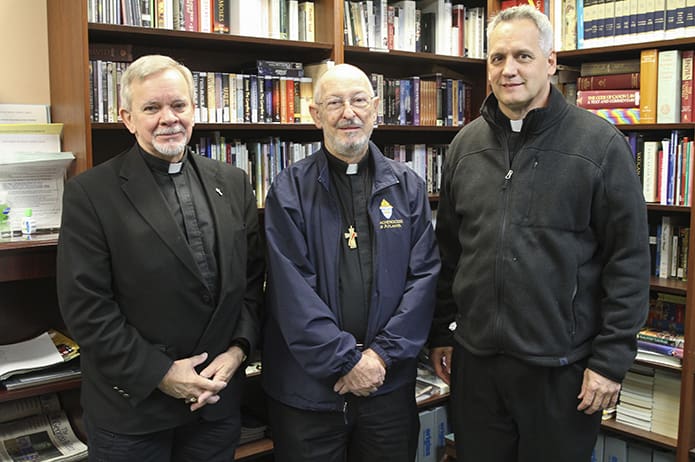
{"points": [[499, 280]]}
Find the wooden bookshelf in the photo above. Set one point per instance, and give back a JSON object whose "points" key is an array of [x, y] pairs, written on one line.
{"points": [[635, 433]]}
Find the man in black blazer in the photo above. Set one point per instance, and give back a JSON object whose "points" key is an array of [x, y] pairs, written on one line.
{"points": [[160, 272]]}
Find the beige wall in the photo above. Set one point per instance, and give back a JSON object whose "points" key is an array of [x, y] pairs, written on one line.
{"points": [[24, 52]]}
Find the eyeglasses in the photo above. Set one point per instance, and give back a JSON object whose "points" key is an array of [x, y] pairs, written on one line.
{"points": [[338, 104]]}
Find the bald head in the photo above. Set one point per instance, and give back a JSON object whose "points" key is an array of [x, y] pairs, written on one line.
{"points": [[338, 73]]}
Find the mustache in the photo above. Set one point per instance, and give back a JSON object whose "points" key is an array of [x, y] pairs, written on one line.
{"points": [[354, 123], [170, 131]]}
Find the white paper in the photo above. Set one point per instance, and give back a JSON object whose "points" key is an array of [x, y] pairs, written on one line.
{"points": [[28, 355], [36, 181]]}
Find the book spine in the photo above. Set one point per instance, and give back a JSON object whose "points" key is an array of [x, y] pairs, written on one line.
{"points": [[648, 85], [601, 99], [221, 17], [687, 86], [609, 82], [668, 87]]}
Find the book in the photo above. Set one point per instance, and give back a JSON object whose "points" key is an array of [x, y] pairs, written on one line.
{"points": [[279, 68], [111, 52], [25, 114], [687, 86], [666, 350], [619, 115], [47, 349], [630, 80], [648, 85], [650, 171], [426, 451], [609, 67], [604, 99], [661, 337], [668, 92]]}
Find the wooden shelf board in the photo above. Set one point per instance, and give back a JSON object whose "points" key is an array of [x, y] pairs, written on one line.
{"points": [[62, 385], [672, 286], [636, 433], [254, 448]]}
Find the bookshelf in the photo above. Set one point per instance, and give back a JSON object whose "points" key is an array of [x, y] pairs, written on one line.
{"points": [[27, 268], [685, 442]]}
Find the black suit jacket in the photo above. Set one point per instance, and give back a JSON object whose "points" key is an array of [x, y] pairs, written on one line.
{"points": [[133, 298]]}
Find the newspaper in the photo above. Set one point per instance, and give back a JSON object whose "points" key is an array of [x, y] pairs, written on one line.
{"points": [[25, 407], [44, 438]]}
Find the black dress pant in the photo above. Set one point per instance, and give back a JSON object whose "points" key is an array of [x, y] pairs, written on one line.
{"points": [[505, 410], [201, 440], [381, 428]]}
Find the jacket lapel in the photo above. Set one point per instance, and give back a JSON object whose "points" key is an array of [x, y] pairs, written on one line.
{"points": [[141, 189]]}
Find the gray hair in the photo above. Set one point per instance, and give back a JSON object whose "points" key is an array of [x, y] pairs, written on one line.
{"points": [[526, 12], [148, 65]]}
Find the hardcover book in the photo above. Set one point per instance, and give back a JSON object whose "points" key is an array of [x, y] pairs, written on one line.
{"points": [[648, 85], [601, 99], [626, 81]]}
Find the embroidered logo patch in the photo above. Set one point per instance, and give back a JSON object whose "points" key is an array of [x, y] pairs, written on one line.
{"points": [[386, 209], [387, 212]]}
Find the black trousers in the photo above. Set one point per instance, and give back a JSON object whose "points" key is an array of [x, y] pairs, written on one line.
{"points": [[195, 442], [372, 429], [505, 410]]}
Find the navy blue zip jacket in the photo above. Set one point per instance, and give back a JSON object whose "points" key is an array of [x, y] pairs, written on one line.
{"points": [[305, 351], [545, 256]]}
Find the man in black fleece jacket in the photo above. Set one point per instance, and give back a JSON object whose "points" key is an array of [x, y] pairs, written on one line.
{"points": [[545, 261]]}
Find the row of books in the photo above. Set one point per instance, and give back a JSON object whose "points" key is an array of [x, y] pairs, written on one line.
{"points": [[581, 24], [428, 100], [278, 19], [611, 448], [280, 92], [434, 426], [37, 428], [433, 26], [669, 243], [660, 347], [650, 400], [664, 167], [264, 159], [655, 88], [220, 97]]}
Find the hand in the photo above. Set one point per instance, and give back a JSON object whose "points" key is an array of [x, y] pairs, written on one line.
{"points": [[222, 368], [183, 382], [441, 361], [598, 392], [363, 379]]}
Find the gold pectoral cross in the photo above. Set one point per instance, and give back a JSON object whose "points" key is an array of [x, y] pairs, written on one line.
{"points": [[351, 237]]}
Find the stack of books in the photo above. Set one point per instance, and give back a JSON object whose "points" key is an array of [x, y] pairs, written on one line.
{"points": [[611, 90], [659, 346], [667, 387], [636, 398]]}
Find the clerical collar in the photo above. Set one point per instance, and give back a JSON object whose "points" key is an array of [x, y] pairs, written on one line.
{"points": [[340, 166], [516, 125], [163, 166]]}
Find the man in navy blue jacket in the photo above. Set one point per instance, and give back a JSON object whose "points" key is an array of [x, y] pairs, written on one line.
{"points": [[351, 289]]}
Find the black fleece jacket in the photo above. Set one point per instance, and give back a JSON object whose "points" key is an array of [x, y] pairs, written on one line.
{"points": [[544, 257]]}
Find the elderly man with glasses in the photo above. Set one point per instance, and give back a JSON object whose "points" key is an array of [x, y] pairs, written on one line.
{"points": [[351, 289]]}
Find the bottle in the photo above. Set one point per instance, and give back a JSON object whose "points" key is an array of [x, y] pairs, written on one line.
{"points": [[5, 229], [28, 222]]}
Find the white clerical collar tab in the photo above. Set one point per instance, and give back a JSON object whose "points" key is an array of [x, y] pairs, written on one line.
{"points": [[352, 169], [516, 125], [175, 167]]}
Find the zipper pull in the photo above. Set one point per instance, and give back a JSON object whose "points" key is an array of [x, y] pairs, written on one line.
{"points": [[507, 178]]}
